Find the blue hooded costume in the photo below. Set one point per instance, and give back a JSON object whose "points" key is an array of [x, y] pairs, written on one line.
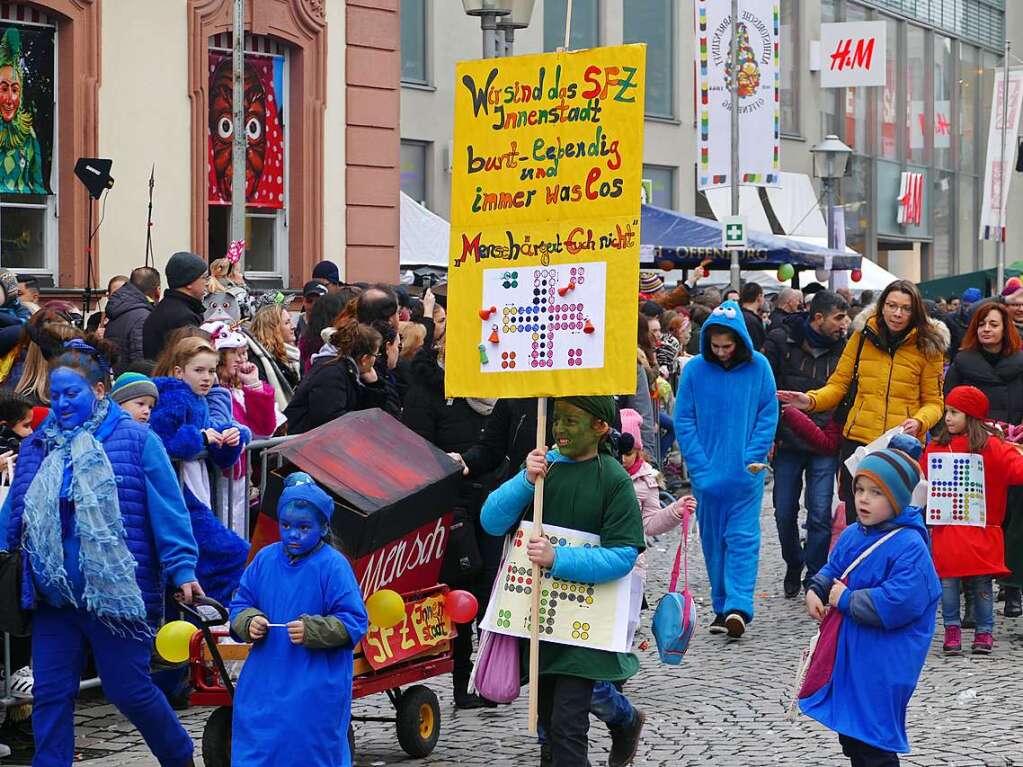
{"points": [[888, 624], [725, 419], [294, 702]]}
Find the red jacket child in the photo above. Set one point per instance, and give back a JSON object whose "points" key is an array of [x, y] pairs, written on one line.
{"points": [[961, 551]]}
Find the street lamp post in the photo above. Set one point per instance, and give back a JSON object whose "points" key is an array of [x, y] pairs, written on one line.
{"points": [[488, 11], [521, 13], [830, 160]]}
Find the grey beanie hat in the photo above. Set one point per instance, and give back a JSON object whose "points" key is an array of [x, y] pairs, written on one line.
{"points": [[184, 268]]}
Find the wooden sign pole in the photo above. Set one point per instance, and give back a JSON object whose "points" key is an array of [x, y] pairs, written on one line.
{"points": [[534, 610]]}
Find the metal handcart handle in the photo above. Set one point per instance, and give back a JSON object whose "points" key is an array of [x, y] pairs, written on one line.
{"points": [[207, 620]]}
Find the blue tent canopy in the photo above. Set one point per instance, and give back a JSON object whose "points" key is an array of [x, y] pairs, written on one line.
{"points": [[687, 241]]}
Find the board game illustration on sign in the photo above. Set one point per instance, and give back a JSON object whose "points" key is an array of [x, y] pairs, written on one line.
{"points": [[545, 211], [573, 613], [955, 494], [544, 318]]}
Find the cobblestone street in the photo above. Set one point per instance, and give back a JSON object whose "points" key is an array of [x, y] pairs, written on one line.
{"points": [[723, 706]]}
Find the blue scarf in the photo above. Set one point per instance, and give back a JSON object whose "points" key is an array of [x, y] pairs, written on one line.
{"points": [[111, 592]]}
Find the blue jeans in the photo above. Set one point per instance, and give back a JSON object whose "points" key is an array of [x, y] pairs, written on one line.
{"points": [[983, 603], [667, 434], [789, 467], [610, 705]]}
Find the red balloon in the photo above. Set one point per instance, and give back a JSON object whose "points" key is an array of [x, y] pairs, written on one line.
{"points": [[857, 275], [462, 606]]}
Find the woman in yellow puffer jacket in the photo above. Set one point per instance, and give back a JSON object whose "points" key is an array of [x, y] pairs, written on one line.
{"points": [[898, 380]]}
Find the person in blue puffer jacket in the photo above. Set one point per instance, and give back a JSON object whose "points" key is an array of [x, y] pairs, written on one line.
{"points": [[98, 515], [726, 415]]}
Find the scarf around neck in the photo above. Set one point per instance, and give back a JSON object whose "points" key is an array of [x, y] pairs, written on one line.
{"points": [[111, 591]]}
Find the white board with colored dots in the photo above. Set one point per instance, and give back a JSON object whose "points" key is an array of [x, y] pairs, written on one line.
{"points": [[955, 494], [579, 614], [543, 318]]}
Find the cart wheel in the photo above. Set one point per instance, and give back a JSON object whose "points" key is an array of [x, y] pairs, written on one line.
{"points": [[216, 738], [418, 721]]}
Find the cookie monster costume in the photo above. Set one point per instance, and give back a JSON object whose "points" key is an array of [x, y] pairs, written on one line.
{"points": [[725, 420]]}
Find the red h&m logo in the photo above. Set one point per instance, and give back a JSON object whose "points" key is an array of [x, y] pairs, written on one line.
{"points": [[846, 56]]}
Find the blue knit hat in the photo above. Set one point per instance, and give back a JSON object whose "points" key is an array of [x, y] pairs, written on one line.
{"points": [[895, 472], [129, 386], [971, 295], [299, 487]]}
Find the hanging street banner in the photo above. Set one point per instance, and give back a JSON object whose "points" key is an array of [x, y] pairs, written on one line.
{"points": [[853, 54], [545, 213], [26, 109], [264, 133], [998, 173], [759, 92]]}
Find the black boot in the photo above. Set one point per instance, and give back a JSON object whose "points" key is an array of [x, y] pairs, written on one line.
{"points": [[1013, 602], [625, 741], [793, 581], [969, 616], [466, 700]]}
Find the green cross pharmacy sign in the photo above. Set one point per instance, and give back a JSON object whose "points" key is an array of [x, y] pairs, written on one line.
{"points": [[733, 233]]}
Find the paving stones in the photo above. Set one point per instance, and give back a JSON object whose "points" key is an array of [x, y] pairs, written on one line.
{"points": [[725, 705]]}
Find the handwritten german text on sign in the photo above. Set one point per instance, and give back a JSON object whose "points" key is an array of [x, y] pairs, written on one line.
{"points": [[426, 625], [545, 202], [853, 54]]}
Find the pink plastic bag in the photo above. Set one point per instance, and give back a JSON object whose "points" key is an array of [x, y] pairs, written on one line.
{"points": [[497, 674], [822, 660], [838, 524]]}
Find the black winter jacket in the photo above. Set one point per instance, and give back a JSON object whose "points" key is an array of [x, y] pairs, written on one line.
{"points": [[510, 433], [1001, 382], [176, 310], [755, 327], [328, 391], [127, 311], [450, 424], [797, 366]]}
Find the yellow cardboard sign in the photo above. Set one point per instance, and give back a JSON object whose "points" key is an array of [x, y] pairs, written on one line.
{"points": [[545, 209]]}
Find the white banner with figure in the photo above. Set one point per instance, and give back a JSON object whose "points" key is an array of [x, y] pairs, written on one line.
{"points": [[759, 92], [998, 173]]}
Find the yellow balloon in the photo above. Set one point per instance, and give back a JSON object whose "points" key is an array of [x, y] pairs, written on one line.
{"points": [[172, 641], [386, 608]]}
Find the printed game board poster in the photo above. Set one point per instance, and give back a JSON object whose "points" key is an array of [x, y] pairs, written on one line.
{"points": [[545, 211], [955, 494], [570, 613]]}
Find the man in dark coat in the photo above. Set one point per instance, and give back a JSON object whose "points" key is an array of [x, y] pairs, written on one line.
{"points": [[786, 305], [181, 305], [127, 310], [803, 353], [751, 299]]}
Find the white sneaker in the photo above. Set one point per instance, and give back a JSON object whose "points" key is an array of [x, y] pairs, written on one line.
{"points": [[22, 682], [4, 750]]}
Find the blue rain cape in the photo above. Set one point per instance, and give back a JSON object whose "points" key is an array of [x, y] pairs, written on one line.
{"points": [[725, 419], [877, 667], [293, 704]]}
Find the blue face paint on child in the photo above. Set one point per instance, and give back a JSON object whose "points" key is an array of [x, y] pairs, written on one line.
{"points": [[72, 398], [301, 528]]}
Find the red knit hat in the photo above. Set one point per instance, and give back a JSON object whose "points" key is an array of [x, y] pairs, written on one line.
{"points": [[969, 400], [38, 416]]}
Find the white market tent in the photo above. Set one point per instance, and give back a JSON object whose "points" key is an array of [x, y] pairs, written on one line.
{"points": [[423, 236]]}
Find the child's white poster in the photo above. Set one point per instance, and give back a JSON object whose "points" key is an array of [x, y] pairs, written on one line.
{"points": [[955, 494], [544, 318], [579, 614]]}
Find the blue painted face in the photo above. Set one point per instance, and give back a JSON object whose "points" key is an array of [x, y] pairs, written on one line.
{"points": [[72, 398], [301, 528]]}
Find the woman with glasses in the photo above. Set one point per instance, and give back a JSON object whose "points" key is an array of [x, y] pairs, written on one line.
{"points": [[889, 375]]}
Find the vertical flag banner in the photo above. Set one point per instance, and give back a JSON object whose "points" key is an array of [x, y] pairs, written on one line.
{"points": [[998, 174], [545, 211], [264, 132], [26, 109], [759, 92]]}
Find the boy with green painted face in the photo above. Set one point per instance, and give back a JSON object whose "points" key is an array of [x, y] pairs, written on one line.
{"points": [[584, 489]]}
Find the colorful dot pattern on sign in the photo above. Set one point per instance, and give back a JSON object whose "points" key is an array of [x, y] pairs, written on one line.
{"points": [[956, 492], [552, 595], [547, 319]]}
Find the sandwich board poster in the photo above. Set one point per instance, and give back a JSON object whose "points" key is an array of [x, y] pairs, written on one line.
{"points": [[545, 213]]}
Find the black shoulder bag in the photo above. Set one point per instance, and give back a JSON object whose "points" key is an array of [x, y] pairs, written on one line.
{"points": [[845, 406], [14, 619]]}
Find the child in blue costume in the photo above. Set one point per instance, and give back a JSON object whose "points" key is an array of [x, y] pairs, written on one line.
{"points": [[889, 613], [585, 489], [98, 515], [193, 415], [725, 419], [294, 698]]}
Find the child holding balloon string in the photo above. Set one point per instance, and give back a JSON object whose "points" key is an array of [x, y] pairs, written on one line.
{"points": [[300, 606]]}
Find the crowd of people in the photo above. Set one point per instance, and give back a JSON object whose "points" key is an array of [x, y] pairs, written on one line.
{"points": [[732, 388]]}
